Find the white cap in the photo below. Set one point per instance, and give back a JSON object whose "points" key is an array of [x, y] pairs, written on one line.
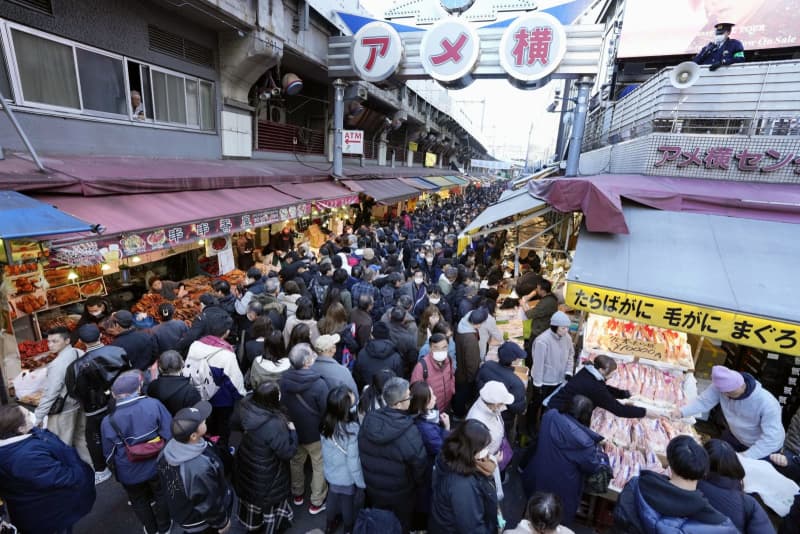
{"points": [[494, 392], [325, 342]]}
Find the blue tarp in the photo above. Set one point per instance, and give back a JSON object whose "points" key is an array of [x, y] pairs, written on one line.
{"points": [[23, 217]]}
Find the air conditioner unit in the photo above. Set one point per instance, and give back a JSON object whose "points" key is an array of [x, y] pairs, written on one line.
{"points": [[276, 114]]}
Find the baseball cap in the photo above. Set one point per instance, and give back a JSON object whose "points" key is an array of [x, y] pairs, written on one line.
{"points": [[325, 342], [88, 333], [186, 421], [124, 318]]}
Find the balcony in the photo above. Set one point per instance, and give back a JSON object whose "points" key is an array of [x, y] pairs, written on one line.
{"points": [[750, 99]]}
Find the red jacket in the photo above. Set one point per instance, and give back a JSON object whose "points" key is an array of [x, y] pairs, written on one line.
{"points": [[441, 379]]}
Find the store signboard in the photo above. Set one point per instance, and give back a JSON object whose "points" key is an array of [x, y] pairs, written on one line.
{"points": [[334, 203], [729, 158], [412, 146], [353, 142], [430, 159], [377, 50], [752, 331], [136, 243]]}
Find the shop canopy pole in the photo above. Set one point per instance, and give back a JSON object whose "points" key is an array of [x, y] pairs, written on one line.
{"points": [[536, 236], [516, 253]]}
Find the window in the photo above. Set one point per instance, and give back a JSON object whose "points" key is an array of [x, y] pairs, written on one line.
{"points": [[46, 71], [5, 82], [55, 73], [102, 82]]}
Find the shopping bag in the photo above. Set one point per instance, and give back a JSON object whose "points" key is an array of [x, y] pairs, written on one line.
{"points": [[30, 383]]}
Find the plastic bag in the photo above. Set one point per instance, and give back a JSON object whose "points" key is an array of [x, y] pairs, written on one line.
{"points": [[775, 490], [30, 383]]}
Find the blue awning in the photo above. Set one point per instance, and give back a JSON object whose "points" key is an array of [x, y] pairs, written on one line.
{"points": [[22, 217], [457, 180]]}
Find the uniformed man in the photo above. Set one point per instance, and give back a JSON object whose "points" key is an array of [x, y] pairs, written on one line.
{"points": [[723, 50]]}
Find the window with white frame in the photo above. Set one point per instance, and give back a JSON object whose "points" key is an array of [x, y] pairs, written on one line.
{"points": [[54, 73]]}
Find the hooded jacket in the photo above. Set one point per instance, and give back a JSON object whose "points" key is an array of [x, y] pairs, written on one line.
{"points": [[565, 455], [553, 358], [377, 355], [754, 418], [406, 342], [293, 321], [261, 464], [540, 314], [265, 370], [726, 496], [174, 391], [651, 504], [393, 457], [479, 411], [468, 352], [224, 368], [197, 494], [140, 346], [335, 374], [139, 419], [46, 486], [306, 413], [504, 374], [462, 503]]}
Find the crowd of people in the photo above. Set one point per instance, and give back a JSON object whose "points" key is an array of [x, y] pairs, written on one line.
{"points": [[368, 360]]}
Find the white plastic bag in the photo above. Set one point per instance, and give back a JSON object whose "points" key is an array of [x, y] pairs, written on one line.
{"points": [[30, 383], [775, 490]]}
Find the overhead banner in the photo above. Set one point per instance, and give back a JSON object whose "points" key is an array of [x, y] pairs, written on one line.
{"points": [[685, 26], [765, 334]]}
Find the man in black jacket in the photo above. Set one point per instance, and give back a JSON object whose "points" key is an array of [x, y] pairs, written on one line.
{"points": [[393, 457], [88, 380], [404, 339], [378, 354], [503, 372], [198, 496], [140, 346], [304, 394], [199, 325]]}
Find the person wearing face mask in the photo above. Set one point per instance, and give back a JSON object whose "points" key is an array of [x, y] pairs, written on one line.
{"points": [[723, 50], [434, 427], [436, 368], [753, 414], [493, 400], [435, 299], [553, 363], [45, 485], [95, 311], [464, 498], [418, 291]]}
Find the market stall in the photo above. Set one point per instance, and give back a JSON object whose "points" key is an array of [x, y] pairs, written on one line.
{"points": [[655, 297]]}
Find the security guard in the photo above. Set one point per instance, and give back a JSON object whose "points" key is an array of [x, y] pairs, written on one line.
{"points": [[723, 50]]}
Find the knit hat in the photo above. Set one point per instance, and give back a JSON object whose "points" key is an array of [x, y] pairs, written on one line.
{"points": [[380, 330], [124, 318], [726, 380], [560, 319], [494, 392], [508, 352], [127, 383], [368, 254], [478, 316], [88, 333], [186, 421], [325, 342]]}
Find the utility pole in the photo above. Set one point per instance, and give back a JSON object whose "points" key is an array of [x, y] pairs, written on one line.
{"points": [[528, 148], [338, 126], [483, 108], [581, 109]]}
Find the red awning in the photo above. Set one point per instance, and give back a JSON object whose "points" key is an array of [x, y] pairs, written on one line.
{"points": [[323, 194], [150, 222]]}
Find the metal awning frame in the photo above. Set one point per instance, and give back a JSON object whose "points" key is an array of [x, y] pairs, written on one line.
{"points": [[486, 231]]}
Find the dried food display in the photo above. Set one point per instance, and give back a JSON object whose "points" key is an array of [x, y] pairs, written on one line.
{"points": [[93, 288], [24, 268], [63, 295], [27, 304]]}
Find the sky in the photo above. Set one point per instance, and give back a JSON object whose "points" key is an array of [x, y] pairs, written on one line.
{"points": [[509, 112]]}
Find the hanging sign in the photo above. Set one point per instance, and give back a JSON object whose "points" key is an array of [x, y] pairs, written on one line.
{"points": [[450, 51], [353, 142], [532, 47], [430, 159], [765, 334], [376, 51]]}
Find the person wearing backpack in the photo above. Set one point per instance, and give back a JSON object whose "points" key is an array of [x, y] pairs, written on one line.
{"points": [[436, 368], [88, 380], [133, 436], [304, 394], [213, 369]]}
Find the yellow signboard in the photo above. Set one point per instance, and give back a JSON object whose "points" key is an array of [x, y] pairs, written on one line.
{"points": [[412, 146], [430, 159], [759, 332]]}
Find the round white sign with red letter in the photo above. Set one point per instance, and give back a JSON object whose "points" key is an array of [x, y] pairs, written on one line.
{"points": [[450, 50], [377, 51], [532, 46]]}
